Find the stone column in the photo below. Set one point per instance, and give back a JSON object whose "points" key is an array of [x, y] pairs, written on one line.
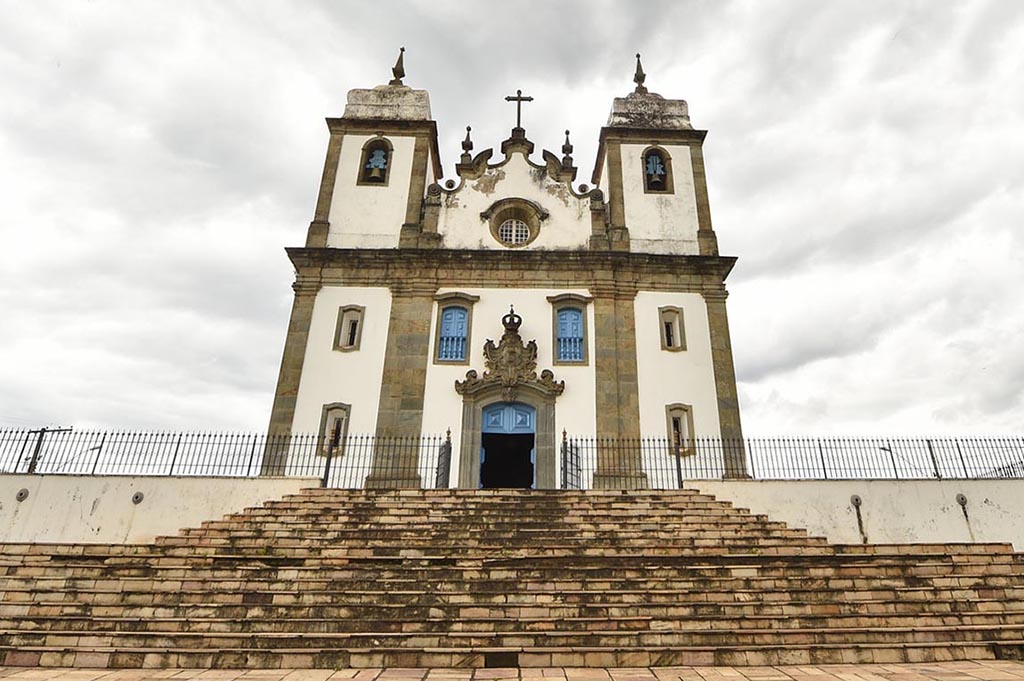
{"points": [[400, 410], [619, 464], [725, 385], [275, 454]]}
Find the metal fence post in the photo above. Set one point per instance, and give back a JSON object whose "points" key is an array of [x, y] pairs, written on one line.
{"points": [[679, 465], [821, 455], [174, 457], [442, 478], [252, 457], [335, 435], [960, 452], [99, 450], [565, 459], [935, 463]]}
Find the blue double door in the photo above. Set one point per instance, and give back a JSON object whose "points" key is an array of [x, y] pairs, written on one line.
{"points": [[508, 446]]}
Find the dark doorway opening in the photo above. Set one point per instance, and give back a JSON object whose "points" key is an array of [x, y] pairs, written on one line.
{"points": [[506, 460]]}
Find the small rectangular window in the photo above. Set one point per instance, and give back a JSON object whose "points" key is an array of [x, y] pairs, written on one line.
{"points": [[680, 429], [673, 335], [349, 329], [334, 427]]}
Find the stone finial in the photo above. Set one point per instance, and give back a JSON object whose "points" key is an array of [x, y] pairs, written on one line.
{"points": [[639, 77], [467, 146], [567, 151], [399, 69]]}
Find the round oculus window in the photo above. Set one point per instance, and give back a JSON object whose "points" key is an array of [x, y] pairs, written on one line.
{"points": [[514, 232]]}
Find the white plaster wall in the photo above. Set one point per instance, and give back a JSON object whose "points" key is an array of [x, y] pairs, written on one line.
{"points": [[352, 377], [660, 223], [575, 409], [369, 216], [567, 227], [892, 511], [666, 377], [99, 509]]}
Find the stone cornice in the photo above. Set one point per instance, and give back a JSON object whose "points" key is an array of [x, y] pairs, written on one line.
{"points": [[423, 269]]}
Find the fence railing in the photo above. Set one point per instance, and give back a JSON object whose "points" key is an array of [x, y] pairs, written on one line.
{"points": [[351, 461], [665, 466], [356, 461]]}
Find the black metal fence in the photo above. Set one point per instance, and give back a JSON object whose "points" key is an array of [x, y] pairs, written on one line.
{"points": [[352, 461], [356, 461], [664, 465]]}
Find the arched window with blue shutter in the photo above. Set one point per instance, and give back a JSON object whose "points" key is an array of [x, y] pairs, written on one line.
{"points": [[451, 342], [569, 336]]}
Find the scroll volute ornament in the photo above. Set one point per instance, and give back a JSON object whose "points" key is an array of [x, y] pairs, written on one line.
{"points": [[511, 365]]}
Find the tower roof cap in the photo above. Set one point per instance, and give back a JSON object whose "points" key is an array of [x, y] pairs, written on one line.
{"points": [[389, 102], [644, 109]]}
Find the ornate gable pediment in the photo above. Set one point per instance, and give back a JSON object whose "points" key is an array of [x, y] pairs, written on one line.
{"points": [[511, 366]]}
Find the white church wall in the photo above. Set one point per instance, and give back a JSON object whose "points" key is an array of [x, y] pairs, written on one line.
{"points": [[352, 377], [99, 509], [567, 227], [575, 409], [666, 377], [892, 511], [369, 216], [660, 223]]}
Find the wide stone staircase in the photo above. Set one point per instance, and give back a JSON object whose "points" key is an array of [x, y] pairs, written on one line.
{"points": [[336, 578]]}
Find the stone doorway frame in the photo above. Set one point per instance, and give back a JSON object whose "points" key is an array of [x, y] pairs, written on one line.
{"points": [[473, 404]]}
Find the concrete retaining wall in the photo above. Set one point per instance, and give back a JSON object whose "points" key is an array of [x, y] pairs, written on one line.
{"points": [[65, 508], [891, 511]]}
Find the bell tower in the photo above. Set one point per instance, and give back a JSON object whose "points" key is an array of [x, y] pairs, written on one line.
{"points": [[381, 156], [650, 164]]}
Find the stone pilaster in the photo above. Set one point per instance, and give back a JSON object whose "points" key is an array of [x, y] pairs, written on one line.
{"points": [[619, 464], [409, 236], [618, 233], [316, 237], [400, 410], [725, 385], [283, 411], [707, 241]]}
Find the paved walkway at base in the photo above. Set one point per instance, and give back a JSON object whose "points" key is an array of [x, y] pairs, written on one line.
{"points": [[935, 671]]}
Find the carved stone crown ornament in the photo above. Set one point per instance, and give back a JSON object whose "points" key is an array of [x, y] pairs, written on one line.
{"points": [[511, 365]]}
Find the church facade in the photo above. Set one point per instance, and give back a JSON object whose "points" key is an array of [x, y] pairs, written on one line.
{"points": [[512, 304]]}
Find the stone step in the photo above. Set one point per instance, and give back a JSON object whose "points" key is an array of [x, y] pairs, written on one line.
{"points": [[464, 611], [522, 598], [521, 639], [650, 656], [528, 622], [475, 583]]}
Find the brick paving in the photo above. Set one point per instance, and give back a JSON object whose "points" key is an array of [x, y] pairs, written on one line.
{"points": [[987, 670]]}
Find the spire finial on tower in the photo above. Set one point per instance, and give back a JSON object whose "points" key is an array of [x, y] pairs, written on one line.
{"points": [[467, 146], [399, 69], [639, 77]]}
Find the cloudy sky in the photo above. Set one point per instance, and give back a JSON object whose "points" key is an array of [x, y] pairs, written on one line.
{"points": [[865, 162]]}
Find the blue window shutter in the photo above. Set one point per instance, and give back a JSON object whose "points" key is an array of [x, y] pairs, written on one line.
{"points": [[570, 335], [454, 327]]}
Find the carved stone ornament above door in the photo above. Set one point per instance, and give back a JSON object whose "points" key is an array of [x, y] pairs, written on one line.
{"points": [[511, 365]]}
